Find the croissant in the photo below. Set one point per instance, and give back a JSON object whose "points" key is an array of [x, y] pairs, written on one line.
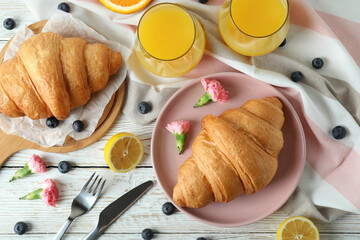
{"points": [[51, 74], [235, 153]]}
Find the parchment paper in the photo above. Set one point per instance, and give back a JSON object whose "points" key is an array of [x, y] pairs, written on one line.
{"points": [[36, 130]]}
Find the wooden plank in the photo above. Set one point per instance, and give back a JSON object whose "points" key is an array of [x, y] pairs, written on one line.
{"points": [[17, 10], [92, 155], [45, 221], [190, 236], [144, 214]]}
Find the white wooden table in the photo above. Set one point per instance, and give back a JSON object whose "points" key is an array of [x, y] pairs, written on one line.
{"points": [[44, 221]]}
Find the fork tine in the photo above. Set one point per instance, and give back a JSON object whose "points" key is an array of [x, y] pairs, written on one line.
{"points": [[88, 181], [89, 189], [97, 185], [101, 188]]}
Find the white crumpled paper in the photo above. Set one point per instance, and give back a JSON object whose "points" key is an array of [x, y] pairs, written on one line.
{"points": [[36, 130]]}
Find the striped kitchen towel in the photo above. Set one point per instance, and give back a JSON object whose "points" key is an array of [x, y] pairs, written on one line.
{"points": [[327, 97]]}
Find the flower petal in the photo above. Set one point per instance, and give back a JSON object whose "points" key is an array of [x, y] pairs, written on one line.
{"points": [[50, 193], [179, 127], [36, 164], [216, 91]]}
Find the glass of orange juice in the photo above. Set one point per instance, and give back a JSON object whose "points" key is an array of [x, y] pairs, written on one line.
{"points": [[254, 27], [170, 41]]}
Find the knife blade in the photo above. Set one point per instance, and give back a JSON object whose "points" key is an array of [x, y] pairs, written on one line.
{"points": [[115, 209]]}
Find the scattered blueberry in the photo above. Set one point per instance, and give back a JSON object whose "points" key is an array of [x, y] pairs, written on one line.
{"points": [[64, 7], [147, 234], [296, 76], [64, 166], [9, 23], [201, 238], [78, 126], [20, 228], [52, 122], [203, 1], [168, 208], [144, 108], [283, 43], [318, 63], [339, 132]]}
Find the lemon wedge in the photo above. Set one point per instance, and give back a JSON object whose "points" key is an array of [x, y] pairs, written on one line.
{"points": [[123, 152], [298, 228]]}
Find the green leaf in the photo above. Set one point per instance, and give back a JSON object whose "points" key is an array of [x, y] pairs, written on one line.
{"points": [[33, 195], [206, 98], [21, 173], [180, 142]]}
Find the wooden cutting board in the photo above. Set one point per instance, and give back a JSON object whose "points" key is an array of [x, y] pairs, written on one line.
{"points": [[10, 144]]}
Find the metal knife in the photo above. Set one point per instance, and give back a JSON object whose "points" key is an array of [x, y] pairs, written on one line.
{"points": [[117, 208]]}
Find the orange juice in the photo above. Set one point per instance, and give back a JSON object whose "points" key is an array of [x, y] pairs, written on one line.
{"points": [[167, 33], [170, 40], [254, 27]]}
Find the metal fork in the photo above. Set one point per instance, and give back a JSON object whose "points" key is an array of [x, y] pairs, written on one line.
{"points": [[82, 203]]}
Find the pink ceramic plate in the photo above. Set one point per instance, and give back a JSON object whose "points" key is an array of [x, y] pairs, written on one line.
{"points": [[245, 209]]}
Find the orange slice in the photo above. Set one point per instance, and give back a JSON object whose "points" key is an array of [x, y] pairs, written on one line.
{"points": [[125, 6], [123, 152], [298, 228]]}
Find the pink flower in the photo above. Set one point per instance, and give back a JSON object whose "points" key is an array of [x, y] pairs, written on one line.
{"points": [[179, 130], [178, 127], [36, 164], [216, 91], [49, 192]]}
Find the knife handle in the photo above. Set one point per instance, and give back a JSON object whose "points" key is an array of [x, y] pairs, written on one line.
{"points": [[63, 229], [94, 234]]}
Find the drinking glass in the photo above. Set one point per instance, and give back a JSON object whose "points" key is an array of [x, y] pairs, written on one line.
{"points": [[170, 40], [254, 27]]}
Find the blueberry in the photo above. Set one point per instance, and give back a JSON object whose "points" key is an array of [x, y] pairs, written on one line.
{"points": [[296, 76], [203, 1], [20, 228], [317, 63], [64, 166], [144, 108], [168, 208], [283, 43], [78, 126], [9, 23], [147, 234], [201, 238], [64, 7], [52, 122], [339, 132]]}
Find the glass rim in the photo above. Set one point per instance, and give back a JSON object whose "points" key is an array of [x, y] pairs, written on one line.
{"points": [[282, 25], [187, 12]]}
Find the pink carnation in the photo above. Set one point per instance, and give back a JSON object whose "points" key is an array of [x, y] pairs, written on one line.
{"points": [[216, 91], [179, 127], [36, 164], [50, 192]]}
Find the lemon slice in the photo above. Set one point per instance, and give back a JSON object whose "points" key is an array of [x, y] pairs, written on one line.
{"points": [[123, 152], [298, 228], [125, 6]]}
